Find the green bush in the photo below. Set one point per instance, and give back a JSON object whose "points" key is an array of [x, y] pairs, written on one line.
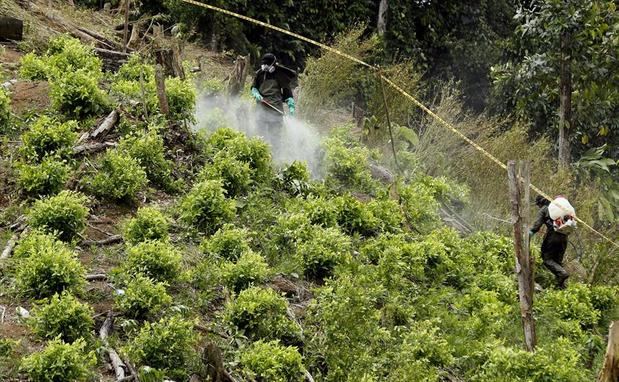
{"points": [[134, 69], [52, 270], [148, 149], [120, 177], [148, 224], [270, 361], [347, 165], [60, 362], [575, 304], [355, 217], [250, 269], [77, 95], [206, 206], [35, 242], [63, 316], [166, 345], [262, 314], [66, 54], [236, 176], [321, 211], [32, 67], [143, 298], [64, 215], [48, 137], [252, 151], [181, 98], [157, 260], [5, 112], [294, 178], [228, 242], [46, 178], [420, 206], [324, 251]]}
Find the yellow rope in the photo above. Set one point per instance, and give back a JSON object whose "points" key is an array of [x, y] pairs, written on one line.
{"points": [[393, 85]]}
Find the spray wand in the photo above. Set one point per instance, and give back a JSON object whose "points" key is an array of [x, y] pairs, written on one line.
{"points": [[272, 107]]}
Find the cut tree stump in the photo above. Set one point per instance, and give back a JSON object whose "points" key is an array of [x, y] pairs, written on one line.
{"points": [[212, 358], [112, 60], [161, 94], [610, 370], [11, 28], [170, 62], [238, 76]]}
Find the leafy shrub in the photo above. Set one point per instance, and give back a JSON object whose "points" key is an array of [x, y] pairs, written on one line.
{"points": [[35, 242], [33, 67], [326, 249], [321, 211], [234, 174], [64, 214], [63, 316], [575, 303], [148, 224], [48, 137], [348, 165], [388, 215], [60, 362], [46, 178], [252, 151], [270, 361], [262, 314], [148, 149], [165, 345], [134, 69], [120, 177], [143, 297], [66, 54], [420, 206], [249, 269], [52, 270], [355, 217], [154, 259], [228, 242], [206, 206], [77, 95], [181, 98], [294, 178], [5, 111]]}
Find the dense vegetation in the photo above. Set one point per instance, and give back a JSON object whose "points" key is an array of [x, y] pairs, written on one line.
{"points": [[346, 278]]}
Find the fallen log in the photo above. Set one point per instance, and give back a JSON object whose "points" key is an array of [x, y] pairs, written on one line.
{"points": [[91, 148], [96, 277], [99, 37], [11, 29], [107, 241], [112, 60], [117, 363], [10, 245], [87, 38], [108, 123]]}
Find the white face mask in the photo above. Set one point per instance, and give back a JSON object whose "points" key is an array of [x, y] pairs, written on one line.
{"points": [[268, 68]]}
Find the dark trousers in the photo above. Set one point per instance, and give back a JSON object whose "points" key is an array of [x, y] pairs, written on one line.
{"points": [[270, 126], [553, 250]]}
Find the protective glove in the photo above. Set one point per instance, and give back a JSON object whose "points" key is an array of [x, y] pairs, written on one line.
{"points": [[256, 94], [291, 106]]}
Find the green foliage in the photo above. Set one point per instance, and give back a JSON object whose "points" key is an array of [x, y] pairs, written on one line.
{"points": [[77, 95], [327, 248], [270, 361], [63, 215], [143, 298], [206, 206], [252, 151], [49, 138], [64, 55], [420, 206], [63, 316], [250, 269], [228, 242], [46, 178], [294, 178], [181, 98], [149, 151], [120, 177], [5, 112], [235, 175], [165, 345], [35, 242], [355, 217], [51, 270], [60, 362], [261, 314], [148, 224], [157, 260], [557, 362]]}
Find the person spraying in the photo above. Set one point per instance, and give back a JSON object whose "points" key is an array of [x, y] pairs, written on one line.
{"points": [[271, 89]]}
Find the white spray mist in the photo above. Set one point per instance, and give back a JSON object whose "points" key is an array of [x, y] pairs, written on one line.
{"points": [[299, 140]]}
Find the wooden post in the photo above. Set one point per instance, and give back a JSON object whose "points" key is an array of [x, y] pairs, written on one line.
{"points": [[238, 75], [126, 27], [161, 94], [169, 60], [519, 179], [610, 370]]}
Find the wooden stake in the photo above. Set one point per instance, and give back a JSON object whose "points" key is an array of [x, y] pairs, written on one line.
{"points": [[610, 370], [519, 179], [161, 94], [126, 27]]}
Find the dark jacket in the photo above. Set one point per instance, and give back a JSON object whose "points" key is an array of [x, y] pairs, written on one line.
{"points": [[274, 87], [543, 217]]}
